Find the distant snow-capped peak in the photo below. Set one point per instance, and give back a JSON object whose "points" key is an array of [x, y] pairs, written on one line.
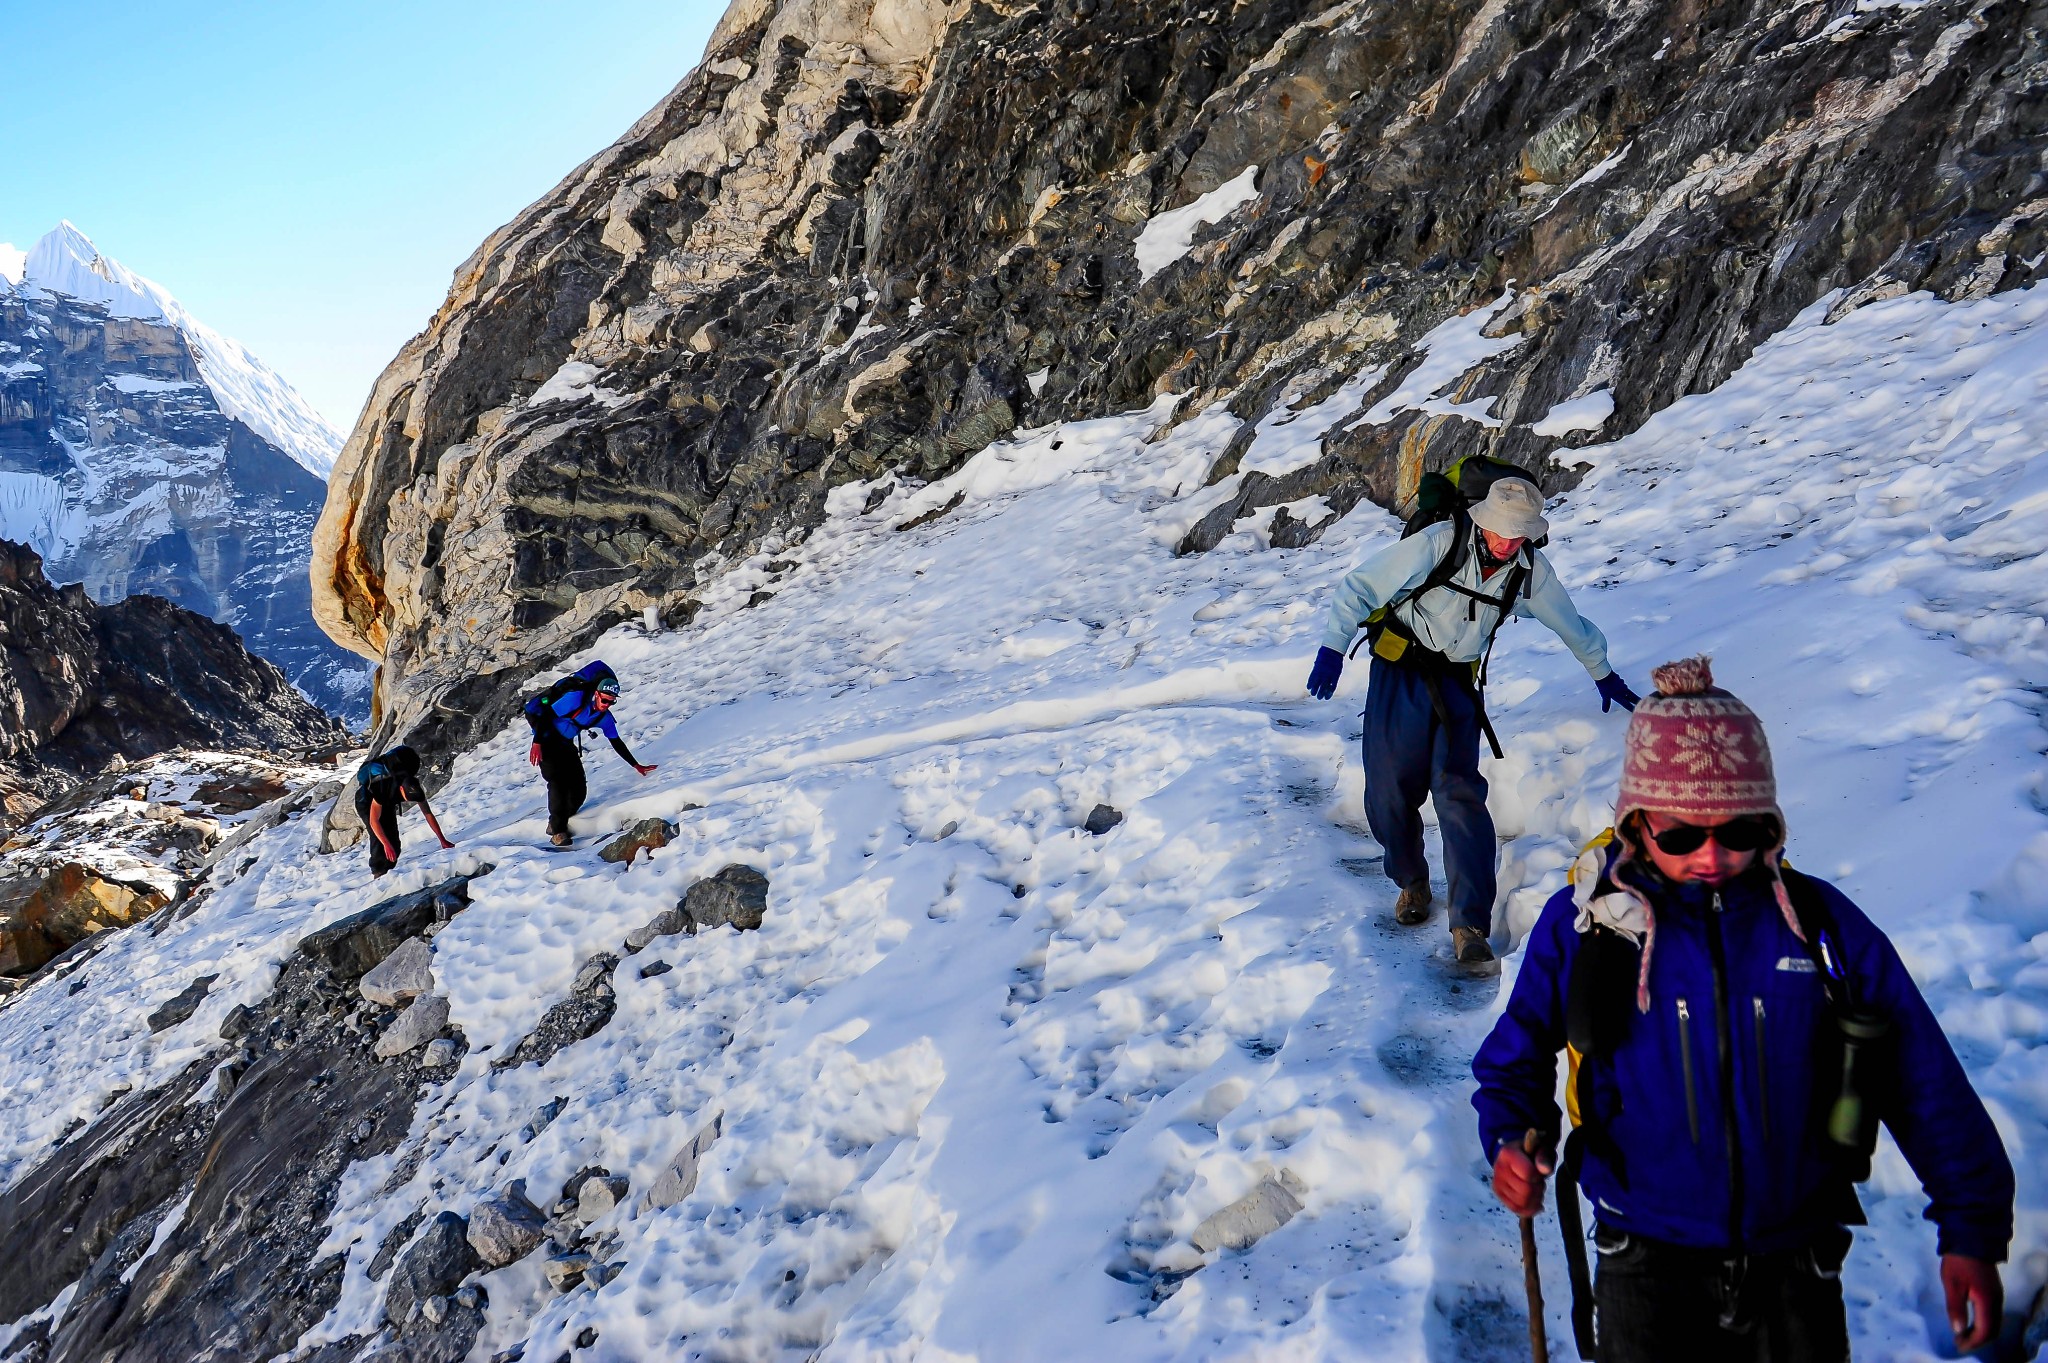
{"points": [[66, 263], [12, 261]]}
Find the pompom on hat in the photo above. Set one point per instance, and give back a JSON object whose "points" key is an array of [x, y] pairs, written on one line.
{"points": [[1697, 754]]}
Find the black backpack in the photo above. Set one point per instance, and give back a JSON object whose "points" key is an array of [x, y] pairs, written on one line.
{"points": [[401, 762]]}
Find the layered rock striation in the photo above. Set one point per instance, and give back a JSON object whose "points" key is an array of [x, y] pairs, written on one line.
{"points": [[869, 237], [84, 687]]}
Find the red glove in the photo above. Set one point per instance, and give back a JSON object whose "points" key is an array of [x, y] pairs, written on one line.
{"points": [[1976, 1300], [1518, 1178], [533, 754]]}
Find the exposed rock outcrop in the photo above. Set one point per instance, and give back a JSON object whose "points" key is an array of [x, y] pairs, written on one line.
{"points": [[133, 842], [299, 1098], [85, 686], [872, 235]]}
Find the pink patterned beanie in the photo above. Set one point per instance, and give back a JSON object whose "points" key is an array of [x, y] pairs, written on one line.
{"points": [[1697, 754]]}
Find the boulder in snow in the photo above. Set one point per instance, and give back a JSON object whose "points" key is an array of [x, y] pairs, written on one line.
{"points": [[1102, 818], [565, 1270], [737, 895], [416, 1026], [1253, 1217], [598, 1195], [664, 924], [434, 1266], [506, 1227], [643, 836], [405, 974]]}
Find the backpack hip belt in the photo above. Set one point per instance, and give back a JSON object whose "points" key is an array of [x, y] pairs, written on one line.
{"points": [[1395, 644]]}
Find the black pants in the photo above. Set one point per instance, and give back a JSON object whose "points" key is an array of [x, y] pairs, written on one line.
{"points": [[561, 766], [387, 819], [1663, 1303]]}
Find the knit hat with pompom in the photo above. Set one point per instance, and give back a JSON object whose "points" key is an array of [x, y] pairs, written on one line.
{"points": [[1696, 754]]}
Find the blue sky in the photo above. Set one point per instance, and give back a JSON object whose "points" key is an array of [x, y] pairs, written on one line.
{"points": [[305, 175]]}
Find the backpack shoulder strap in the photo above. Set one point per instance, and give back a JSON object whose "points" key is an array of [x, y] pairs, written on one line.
{"points": [[1823, 938]]}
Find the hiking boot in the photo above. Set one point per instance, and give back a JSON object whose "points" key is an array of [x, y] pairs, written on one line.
{"points": [[1413, 905], [559, 839], [1469, 946]]}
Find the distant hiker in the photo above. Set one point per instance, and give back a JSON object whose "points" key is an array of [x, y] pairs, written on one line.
{"points": [[1736, 1031], [384, 783], [1468, 559], [560, 716]]}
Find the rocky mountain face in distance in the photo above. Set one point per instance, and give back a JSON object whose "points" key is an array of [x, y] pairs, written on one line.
{"points": [[870, 238], [142, 452], [86, 687]]}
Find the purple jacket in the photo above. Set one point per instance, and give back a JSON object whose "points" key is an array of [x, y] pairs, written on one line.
{"points": [[1713, 1107]]}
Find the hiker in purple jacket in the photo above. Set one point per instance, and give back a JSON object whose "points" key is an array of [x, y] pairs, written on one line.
{"points": [[1736, 1031]]}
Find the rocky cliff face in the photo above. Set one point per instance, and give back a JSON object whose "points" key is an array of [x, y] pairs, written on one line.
{"points": [[133, 465], [867, 237], [85, 686]]}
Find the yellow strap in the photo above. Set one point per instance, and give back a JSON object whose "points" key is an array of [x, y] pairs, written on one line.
{"points": [[1601, 840], [1571, 1083]]}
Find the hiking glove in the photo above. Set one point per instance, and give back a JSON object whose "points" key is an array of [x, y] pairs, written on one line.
{"points": [[1322, 680], [1614, 691]]}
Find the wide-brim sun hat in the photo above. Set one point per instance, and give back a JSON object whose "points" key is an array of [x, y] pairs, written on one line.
{"points": [[1513, 509]]}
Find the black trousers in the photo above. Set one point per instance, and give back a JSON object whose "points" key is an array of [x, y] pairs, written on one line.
{"points": [[1661, 1303], [387, 818], [561, 766]]}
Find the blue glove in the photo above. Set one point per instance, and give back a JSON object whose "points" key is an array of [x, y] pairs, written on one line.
{"points": [[1322, 681], [1614, 691]]}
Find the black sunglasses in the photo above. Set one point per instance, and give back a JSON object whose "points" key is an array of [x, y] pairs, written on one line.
{"points": [[1751, 833]]}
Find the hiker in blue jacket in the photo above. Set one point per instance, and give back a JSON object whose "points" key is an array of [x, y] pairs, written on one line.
{"points": [[559, 717], [1736, 1031], [384, 784], [1430, 604]]}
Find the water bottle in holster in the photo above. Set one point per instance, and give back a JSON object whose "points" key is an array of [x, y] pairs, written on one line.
{"points": [[1865, 1074]]}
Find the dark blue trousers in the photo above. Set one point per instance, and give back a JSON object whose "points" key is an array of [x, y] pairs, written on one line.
{"points": [[1410, 755]]}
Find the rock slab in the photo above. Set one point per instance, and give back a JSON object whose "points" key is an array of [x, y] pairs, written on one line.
{"points": [[434, 1266], [352, 946], [1253, 1217], [678, 1179], [420, 1023], [182, 1005], [402, 976]]}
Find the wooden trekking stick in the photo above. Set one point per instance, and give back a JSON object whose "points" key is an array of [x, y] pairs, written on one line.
{"points": [[1532, 1282]]}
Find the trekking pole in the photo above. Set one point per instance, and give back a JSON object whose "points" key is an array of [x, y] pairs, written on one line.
{"points": [[1532, 1282]]}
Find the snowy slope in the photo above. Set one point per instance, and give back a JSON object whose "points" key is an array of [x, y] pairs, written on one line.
{"points": [[66, 262], [982, 1075], [12, 261]]}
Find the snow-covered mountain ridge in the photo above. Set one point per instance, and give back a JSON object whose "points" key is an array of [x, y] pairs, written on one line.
{"points": [[982, 1081], [64, 263], [140, 451]]}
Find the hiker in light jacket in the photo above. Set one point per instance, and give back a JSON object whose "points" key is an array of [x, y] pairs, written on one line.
{"points": [[1709, 993], [1423, 710], [559, 717]]}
